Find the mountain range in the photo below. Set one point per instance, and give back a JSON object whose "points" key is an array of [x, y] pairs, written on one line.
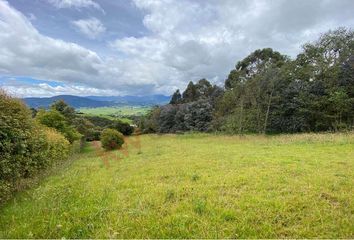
{"points": [[98, 101]]}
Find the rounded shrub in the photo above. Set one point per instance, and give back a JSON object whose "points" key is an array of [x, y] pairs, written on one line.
{"points": [[111, 139]]}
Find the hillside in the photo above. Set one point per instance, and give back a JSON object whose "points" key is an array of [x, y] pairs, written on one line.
{"points": [[135, 100], [195, 186], [98, 101], [73, 101]]}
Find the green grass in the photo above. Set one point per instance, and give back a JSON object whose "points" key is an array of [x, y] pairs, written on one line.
{"points": [[124, 110], [196, 186], [114, 112]]}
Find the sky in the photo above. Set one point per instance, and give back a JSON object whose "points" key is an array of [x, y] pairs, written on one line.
{"points": [[143, 47]]}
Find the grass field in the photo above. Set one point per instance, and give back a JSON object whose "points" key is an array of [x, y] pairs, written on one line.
{"points": [[196, 186], [120, 112]]}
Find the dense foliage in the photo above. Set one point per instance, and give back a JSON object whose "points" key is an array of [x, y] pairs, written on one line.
{"points": [[100, 123], [268, 92], [111, 139], [26, 147], [191, 111], [54, 119]]}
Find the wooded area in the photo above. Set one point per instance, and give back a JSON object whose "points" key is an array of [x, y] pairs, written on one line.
{"points": [[268, 92]]}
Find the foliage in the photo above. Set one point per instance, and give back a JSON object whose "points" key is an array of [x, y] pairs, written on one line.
{"points": [[191, 112], [67, 111], [149, 122], [102, 122], [176, 97], [26, 147], [54, 119], [111, 139], [267, 92]]}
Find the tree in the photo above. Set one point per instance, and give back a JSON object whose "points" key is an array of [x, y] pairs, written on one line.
{"points": [[190, 94], [254, 64], [176, 97], [56, 120], [322, 67], [67, 111], [250, 88], [203, 89]]}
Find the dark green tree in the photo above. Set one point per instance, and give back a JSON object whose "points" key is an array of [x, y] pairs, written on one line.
{"points": [[176, 97], [190, 94]]}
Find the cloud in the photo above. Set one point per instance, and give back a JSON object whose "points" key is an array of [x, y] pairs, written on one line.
{"points": [[21, 90], [198, 39], [26, 52], [75, 4], [91, 27], [185, 40]]}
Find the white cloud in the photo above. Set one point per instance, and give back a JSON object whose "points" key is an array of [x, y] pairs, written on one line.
{"points": [[91, 27], [198, 39], [187, 40], [26, 52], [21, 90], [75, 4]]}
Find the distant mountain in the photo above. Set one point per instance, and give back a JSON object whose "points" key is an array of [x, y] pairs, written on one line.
{"points": [[74, 101], [98, 101], [135, 100]]}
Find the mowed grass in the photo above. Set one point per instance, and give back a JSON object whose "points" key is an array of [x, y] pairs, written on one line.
{"points": [[196, 186]]}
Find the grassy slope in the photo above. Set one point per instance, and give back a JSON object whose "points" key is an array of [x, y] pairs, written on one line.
{"points": [[197, 186]]}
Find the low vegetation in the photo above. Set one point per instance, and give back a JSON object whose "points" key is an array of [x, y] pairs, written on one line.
{"points": [[178, 186], [26, 147], [111, 139]]}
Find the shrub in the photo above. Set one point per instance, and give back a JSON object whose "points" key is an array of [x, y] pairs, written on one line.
{"points": [[56, 120], [111, 139], [118, 125], [15, 134], [26, 147]]}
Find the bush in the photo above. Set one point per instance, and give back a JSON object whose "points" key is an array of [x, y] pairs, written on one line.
{"points": [[26, 147], [111, 139], [118, 125], [56, 120]]}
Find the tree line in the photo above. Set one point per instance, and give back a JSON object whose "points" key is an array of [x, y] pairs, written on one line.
{"points": [[268, 92]]}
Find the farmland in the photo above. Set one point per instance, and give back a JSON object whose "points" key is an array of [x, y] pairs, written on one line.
{"points": [[122, 112]]}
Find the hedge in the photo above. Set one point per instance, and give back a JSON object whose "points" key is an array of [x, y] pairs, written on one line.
{"points": [[26, 147]]}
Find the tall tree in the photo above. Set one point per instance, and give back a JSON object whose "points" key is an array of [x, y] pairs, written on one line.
{"points": [[190, 94], [176, 97]]}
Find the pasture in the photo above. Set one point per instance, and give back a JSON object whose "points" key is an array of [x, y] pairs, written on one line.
{"points": [[195, 186], [120, 111]]}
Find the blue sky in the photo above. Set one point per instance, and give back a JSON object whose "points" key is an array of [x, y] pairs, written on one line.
{"points": [[140, 47]]}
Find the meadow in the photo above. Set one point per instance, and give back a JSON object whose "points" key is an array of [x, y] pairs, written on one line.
{"points": [[195, 186], [121, 112]]}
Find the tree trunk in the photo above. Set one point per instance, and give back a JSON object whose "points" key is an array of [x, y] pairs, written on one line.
{"points": [[267, 112], [241, 117]]}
